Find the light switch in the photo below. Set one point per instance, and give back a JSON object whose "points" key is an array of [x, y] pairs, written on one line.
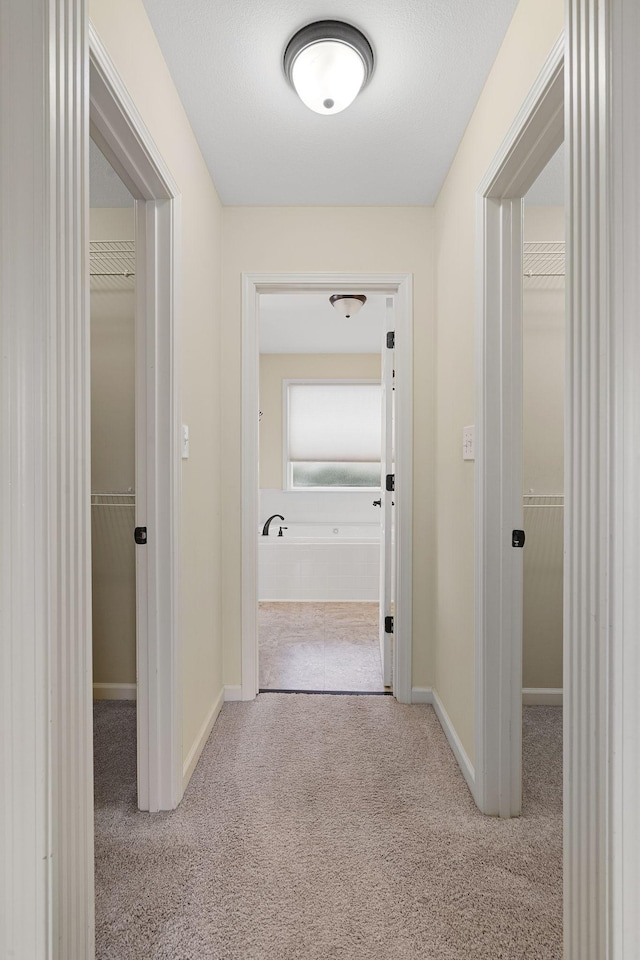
{"points": [[185, 442], [468, 443]]}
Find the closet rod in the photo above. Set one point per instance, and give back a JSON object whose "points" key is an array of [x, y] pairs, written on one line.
{"points": [[530, 276], [127, 274], [543, 506], [116, 506]]}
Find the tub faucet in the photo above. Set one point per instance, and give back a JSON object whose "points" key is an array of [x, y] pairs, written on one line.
{"points": [[265, 529]]}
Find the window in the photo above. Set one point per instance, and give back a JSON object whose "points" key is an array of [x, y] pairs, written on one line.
{"points": [[332, 434]]}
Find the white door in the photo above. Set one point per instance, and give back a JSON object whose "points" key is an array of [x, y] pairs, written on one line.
{"points": [[387, 496]]}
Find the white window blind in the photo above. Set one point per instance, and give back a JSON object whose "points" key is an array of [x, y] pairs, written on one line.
{"points": [[334, 422]]}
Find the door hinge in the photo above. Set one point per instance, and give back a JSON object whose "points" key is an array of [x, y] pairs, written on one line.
{"points": [[388, 624], [140, 535], [391, 482], [391, 340], [517, 538]]}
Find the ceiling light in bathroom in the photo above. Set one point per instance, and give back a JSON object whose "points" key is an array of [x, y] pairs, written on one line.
{"points": [[347, 304]]}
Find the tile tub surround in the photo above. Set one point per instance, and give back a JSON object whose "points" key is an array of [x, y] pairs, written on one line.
{"points": [[319, 646]]}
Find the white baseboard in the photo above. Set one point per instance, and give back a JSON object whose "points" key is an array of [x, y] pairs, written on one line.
{"points": [[114, 691], [421, 695], [542, 696], [232, 693], [455, 743], [198, 745]]}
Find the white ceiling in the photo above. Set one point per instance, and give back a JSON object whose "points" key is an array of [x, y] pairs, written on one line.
{"points": [[106, 189], [307, 323], [393, 146]]}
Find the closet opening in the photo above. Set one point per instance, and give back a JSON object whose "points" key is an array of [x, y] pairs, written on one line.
{"points": [[543, 406], [112, 285]]}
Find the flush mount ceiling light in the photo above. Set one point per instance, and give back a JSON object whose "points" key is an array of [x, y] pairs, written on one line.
{"points": [[347, 304], [328, 63]]}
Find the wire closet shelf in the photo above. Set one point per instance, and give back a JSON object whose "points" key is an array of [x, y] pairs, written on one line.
{"points": [[112, 263], [544, 259], [119, 500]]}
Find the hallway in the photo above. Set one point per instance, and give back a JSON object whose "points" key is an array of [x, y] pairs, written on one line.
{"points": [[319, 826]]}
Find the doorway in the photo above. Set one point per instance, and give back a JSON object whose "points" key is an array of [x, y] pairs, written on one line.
{"points": [[112, 281], [543, 471], [544, 385], [112, 299], [397, 290], [323, 589]]}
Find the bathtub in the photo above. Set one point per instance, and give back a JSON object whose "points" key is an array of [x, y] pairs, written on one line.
{"points": [[320, 561]]}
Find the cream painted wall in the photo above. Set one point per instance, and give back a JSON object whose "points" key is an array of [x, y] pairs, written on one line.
{"points": [[112, 461], [340, 240], [124, 28], [276, 367], [535, 27], [543, 460]]}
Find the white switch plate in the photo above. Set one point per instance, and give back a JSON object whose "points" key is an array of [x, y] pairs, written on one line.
{"points": [[185, 442], [468, 443]]}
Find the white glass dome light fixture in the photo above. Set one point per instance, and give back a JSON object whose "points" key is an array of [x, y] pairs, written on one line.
{"points": [[328, 63], [347, 304]]}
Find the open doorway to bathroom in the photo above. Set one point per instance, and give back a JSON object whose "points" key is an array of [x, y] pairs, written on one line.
{"points": [[325, 414], [114, 599]]}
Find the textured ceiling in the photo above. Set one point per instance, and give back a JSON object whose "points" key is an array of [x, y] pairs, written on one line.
{"points": [[393, 146], [106, 189], [307, 323]]}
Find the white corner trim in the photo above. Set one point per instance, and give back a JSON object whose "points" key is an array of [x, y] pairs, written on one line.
{"points": [[198, 745], [455, 743], [621, 694], [421, 695], [46, 812], [232, 693], [114, 691], [542, 696], [602, 476]]}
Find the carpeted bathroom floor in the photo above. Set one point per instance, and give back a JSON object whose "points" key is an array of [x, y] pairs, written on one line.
{"points": [[319, 646], [319, 827]]}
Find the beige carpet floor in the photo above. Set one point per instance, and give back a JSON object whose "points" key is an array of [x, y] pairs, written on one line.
{"points": [[319, 646], [323, 827]]}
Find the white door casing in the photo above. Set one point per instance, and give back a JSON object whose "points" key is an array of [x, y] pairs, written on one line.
{"points": [[400, 288], [46, 814], [121, 134], [532, 140], [602, 524], [386, 497]]}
